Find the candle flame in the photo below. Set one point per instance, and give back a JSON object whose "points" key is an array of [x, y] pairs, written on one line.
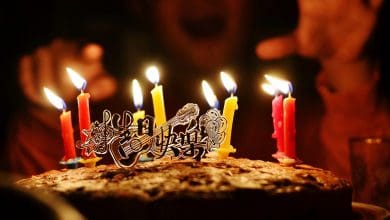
{"points": [[229, 83], [209, 95], [268, 88], [280, 85], [54, 99], [137, 95], [76, 79], [153, 74]]}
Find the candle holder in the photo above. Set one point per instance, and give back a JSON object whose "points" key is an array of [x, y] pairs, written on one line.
{"points": [[287, 161], [90, 162], [145, 158], [71, 163], [279, 155], [224, 152]]}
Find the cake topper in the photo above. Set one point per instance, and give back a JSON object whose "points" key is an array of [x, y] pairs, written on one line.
{"points": [[183, 136]]}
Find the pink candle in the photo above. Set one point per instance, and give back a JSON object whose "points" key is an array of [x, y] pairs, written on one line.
{"points": [[277, 115], [283, 113], [289, 126]]}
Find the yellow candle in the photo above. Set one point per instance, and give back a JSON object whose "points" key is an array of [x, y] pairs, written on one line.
{"points": [[157, 96], [228, 113], [138, 101], [158, 105]]}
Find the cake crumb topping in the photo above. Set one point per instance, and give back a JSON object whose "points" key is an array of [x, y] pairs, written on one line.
{"points": [[209, 177]]}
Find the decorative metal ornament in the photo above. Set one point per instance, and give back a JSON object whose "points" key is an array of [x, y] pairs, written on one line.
{"points": [[183, 136]]}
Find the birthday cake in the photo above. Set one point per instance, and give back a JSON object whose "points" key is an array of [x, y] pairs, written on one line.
{"points": [[190, 189]]}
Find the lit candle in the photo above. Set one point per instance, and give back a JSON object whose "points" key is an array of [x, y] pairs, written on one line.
{"points": [[277, 115], [229, 108], [82, 102], [138, 101], [209, 95], [157, 95], [289, 126], [89, 156], [277, 87], [66, 124], [283, 113]]}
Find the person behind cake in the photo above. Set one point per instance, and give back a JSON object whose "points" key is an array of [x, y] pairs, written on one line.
{"points": [[192, 45]]}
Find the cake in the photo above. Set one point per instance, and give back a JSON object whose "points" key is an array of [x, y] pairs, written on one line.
{"points": [[231, 188]]}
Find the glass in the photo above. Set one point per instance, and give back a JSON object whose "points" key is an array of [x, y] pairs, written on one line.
{"points": [[370, 170]]}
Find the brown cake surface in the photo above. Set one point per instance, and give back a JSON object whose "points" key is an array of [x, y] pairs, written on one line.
{"points": [[219, 189]]}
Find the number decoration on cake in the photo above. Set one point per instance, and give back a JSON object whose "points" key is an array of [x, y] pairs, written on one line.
{"points": [[186, 135]]}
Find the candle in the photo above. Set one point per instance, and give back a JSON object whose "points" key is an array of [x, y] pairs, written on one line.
{"points": [[229, 108], [283, 113], [157, 95], [277, 114], [66, 124], [289, 126], [89, 156], [209, 95], [82, 102], [138, 101]]}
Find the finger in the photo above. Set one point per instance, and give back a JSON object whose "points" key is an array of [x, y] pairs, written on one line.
{"points": [[92, 53], [45, 68], [57, 46], [26, 79], [67, 56], [277, 47], [102, 87]]}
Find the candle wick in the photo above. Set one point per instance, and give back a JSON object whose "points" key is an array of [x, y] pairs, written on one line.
{"points": [[155, 85]]}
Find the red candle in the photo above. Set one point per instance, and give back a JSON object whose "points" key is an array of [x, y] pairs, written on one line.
{"points": [[83, 108], [67, 135], [84, 116], [277, 115], [66, 124], [289, 126], [82, 101]]}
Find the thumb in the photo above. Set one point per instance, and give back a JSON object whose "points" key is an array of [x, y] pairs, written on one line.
{"points": [[92, 52], [277, 47]]}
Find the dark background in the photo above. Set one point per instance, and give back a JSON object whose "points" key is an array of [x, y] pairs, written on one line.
{"points": [[25, 25]]}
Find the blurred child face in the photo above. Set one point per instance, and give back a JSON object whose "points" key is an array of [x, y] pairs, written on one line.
{"points": [[204, 34]]}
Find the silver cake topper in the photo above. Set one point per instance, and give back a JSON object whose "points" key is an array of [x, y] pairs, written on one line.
{"points": [[183, 136]]}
